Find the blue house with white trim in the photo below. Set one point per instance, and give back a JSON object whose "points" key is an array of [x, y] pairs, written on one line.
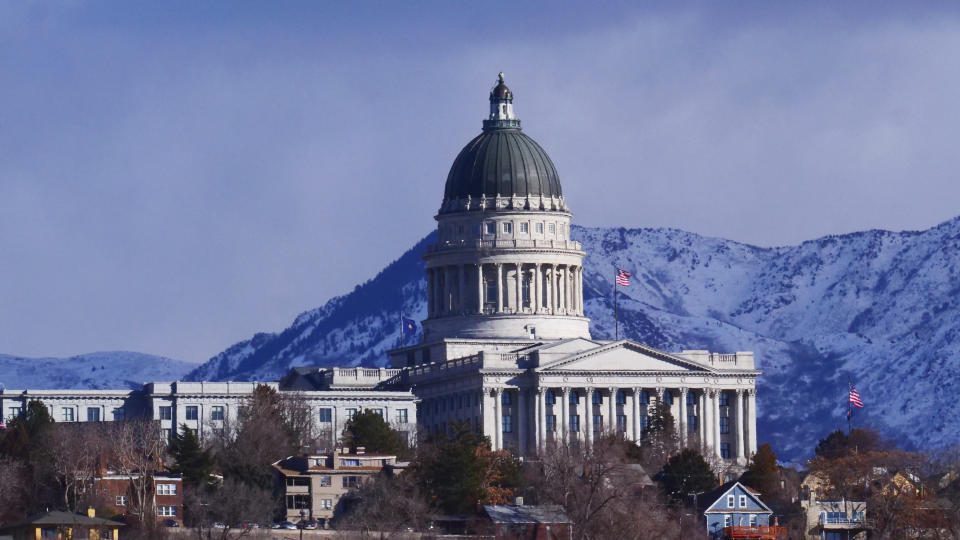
{"points": [[735, 511]]}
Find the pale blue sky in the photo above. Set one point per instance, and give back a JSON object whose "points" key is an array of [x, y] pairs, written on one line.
{"points": [[177, 176]]}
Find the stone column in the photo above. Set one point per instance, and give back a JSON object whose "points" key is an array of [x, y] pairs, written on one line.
{"points": [[498, 419], [565, 415], [541, 418], [461, 304], [612, 422], [447, 290], [535, 300], [580, 291], [429, 292], [715, 409], [521, 420], [752, 421], [553, 290], [701, 421], [519, 288], [740, 436], [636, 414], [588, 405], [563, 290], [683, 417], [500, 289], [479, 289]]}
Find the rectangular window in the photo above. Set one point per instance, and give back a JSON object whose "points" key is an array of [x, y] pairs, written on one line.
{"points": [[67, 414], [298, 502], [350, 481], [724, 399], [597, 398], [551, 397], [402, 417], [525, 291], [93, 414], [13, 412], [507, 228], [644, 397], [326, 504], [193, 412], [505, 398], [165, 433], [166, 489], [724, 424], [119, 414], [621, 398], [298, 481], [349, 462], [216, 412], [691, 424], [166, 413], [668, 397], [507, 425], [575, 423], [551, 423], [378, 412], [491, 287], [730, 501], [326, 415], [727, 520], [753, 520], [539, 228], [167, 511], [351, 413], [325, 481], [622, 423], [121, 500], [491, 227], [725, 450], [574, 397], [597, 423], [644, 422], [743, 501], [524, 227], [551, 228], [691, 398]]}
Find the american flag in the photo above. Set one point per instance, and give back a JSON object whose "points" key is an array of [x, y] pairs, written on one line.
{"points": [[855, 398], [623, 277]]}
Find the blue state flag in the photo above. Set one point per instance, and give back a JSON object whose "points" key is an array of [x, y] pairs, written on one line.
{"points": [[409, 326]]}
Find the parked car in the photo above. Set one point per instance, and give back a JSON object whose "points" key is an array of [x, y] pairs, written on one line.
{"points": [[284, 525], [170, 523], [309, 525], [218, 525], [247, 525]]}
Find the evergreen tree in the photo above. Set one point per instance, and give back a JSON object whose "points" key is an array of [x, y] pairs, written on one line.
{"points": [[192, 461], [685, 474], [369, 430], [659, 440], [763, 474]]}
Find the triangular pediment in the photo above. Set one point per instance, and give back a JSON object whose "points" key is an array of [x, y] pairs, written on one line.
{"points": [[621, 356]]}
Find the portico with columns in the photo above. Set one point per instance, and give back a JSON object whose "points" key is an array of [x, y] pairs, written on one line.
{"points": [[506, 342]]}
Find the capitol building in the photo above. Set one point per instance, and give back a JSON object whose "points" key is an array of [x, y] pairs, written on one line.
{"points": [[506, 345]]}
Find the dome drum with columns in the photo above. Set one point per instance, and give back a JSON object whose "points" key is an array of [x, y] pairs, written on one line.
{"points": [[506, 346]]}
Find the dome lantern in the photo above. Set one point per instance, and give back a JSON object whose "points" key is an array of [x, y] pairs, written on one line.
{"points": [[501, 108]]}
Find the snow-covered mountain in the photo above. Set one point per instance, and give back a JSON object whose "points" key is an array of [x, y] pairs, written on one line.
{"points": [[878, 306], [100, 370]]}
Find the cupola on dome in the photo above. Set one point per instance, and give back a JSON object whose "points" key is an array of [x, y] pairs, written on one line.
{"points": [[502, 167]]}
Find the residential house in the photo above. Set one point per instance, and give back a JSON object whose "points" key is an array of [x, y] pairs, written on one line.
{"points": [[165, 494], [834, 520], [734, 510], [63, 526], [516, 522]]}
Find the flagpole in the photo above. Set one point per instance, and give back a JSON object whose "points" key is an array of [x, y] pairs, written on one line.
{"points": [[849, 407], [616, 311]]}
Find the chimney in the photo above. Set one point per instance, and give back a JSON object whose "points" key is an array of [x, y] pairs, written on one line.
{"points": [[91, 511], [361, 450]]}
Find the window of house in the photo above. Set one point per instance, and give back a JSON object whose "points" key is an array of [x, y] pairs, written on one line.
{"points": [[326, 415], [349, 462], [597, 423], [725, 450], [727, 520], [743, 501], [298, 502], [165, 433], [166, 412], [753, 520], [622, 423], [730, 501], [691, 398], [351, 413], [350, 481], [13, 412], [550, 397], [193, 412], [621, 398], [525, 291], [298, 481], [597, 398], [539, 228], [325, 481], [167, 511], [724, 399], [668, 397], [402, 416], [507, 424], [491, 227], [575, 423], [216, 412], [166, 489], [724, 424], [551, 228], [326, 504], [691, 423], [378, 412], [524, 227], [644, 422], [574, 397], [93, 414], [507, 228], [505, 398], [121, 500], [551, 422], [491, 286], [644, 397], [67, 413], [119, 414]]}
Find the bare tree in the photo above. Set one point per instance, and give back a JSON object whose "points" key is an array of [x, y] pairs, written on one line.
{"points": [[75, 449], [14, 480], [138, 451], [233, 509], [386, 507]]}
